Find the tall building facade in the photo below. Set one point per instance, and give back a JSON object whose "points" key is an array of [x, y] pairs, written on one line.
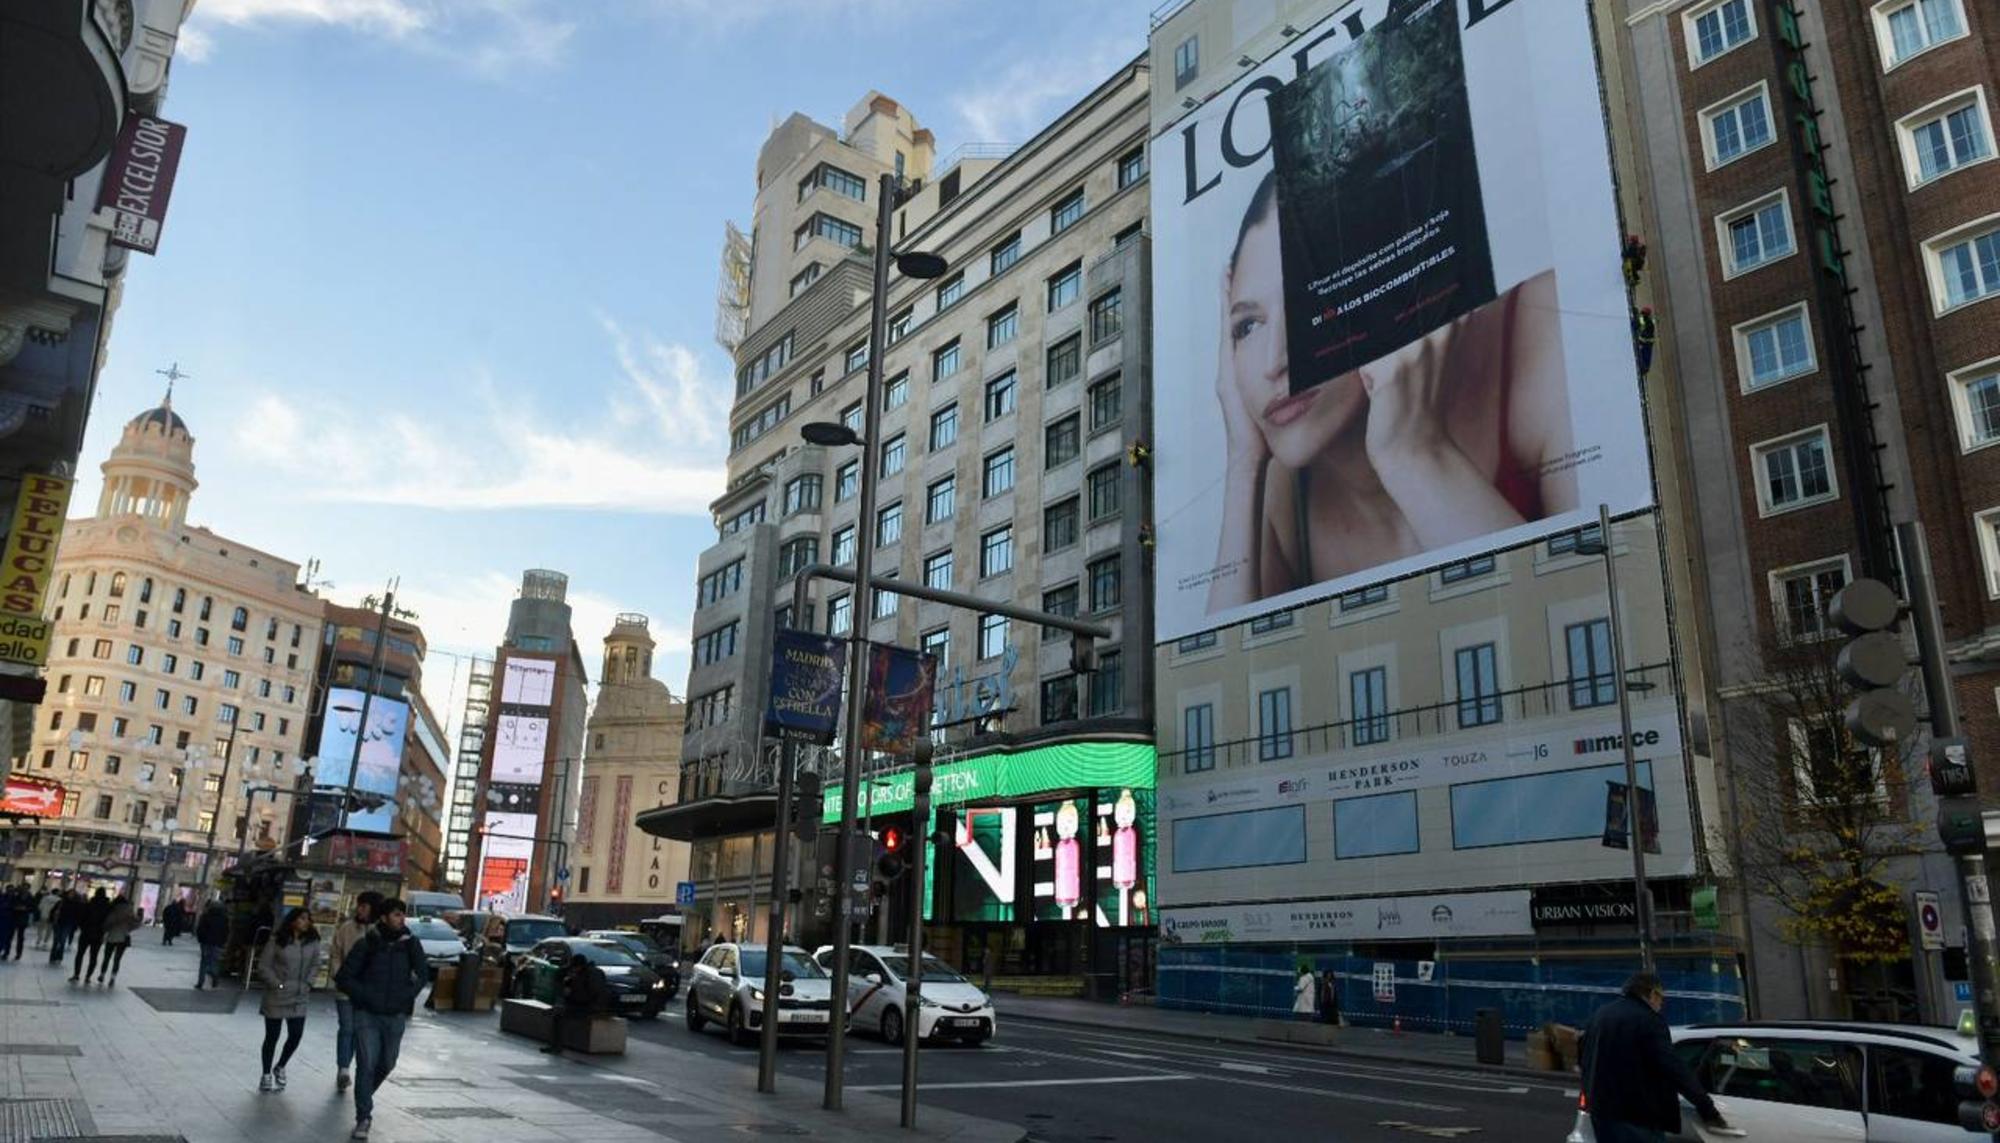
{"points": [[401, 754], [462, 816], [632, 762], [80, 116], [1012, 459], [1411, 774], [1825, 231], [182, 666], [532, 754]]}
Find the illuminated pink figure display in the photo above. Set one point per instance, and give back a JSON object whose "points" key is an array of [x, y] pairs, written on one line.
{"points": [[1125, 843], [1069, 858]]}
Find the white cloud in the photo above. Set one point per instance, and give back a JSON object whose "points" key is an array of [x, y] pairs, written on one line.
{"points": [[488, 36], [1025, 95], [658, 449]]}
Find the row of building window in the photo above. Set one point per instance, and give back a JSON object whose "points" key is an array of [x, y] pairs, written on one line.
{"points": [[135, 655], [118, 583], [1904, 29], [1476, 689], [93, 685]]}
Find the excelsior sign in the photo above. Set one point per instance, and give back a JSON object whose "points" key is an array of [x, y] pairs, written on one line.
{"points": [[139, 180], [29, 565]]}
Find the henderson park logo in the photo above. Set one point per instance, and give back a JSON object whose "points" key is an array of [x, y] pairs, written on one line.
{"points": [[1608, 742]]}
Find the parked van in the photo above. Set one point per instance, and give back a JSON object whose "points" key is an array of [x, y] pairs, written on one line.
{"points": [[426, 903]]}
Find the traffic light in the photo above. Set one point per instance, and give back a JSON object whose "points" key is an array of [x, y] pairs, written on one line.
{"points": [[807, 806], [1874, 662], [889, 854], [1976, 1085], [1082, 654]]}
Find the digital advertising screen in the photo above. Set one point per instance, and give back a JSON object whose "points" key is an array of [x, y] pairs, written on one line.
{"points": [[529, 682], [507, 848], [984, 869], [1388, 300], [381, 758], [520, 742]]}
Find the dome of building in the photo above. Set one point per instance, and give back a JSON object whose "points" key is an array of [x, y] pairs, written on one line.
{"points": [[161, 416]]}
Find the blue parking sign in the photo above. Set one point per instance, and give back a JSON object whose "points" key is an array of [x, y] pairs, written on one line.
{"points": [[1961, 991], [684, 893]]}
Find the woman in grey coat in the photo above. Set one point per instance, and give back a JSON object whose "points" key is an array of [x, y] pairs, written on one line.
{"points": [[286, 968]]}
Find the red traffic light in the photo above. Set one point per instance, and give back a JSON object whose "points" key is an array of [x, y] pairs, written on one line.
{"points": [[892, 840], [1986, 1083]]}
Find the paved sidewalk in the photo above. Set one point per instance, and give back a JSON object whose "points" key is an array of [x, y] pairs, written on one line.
{"points": [[1376, 1043], [153, 1059]]}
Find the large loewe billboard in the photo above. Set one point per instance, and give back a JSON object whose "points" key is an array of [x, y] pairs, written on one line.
{"points": [[1389, 308]]}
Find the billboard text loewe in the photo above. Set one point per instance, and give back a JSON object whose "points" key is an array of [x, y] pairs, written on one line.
{"points": [[1388, 298]]}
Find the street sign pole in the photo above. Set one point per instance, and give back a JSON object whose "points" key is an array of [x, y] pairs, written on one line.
{"points": [[913, 981], [774, 936], [1975, 891]]}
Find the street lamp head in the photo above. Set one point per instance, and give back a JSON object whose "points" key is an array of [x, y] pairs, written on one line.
{"points": [[829, 434], [920, 264]]}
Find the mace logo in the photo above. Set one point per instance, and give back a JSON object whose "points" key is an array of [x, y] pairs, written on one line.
{"points": [[1604, 743]]}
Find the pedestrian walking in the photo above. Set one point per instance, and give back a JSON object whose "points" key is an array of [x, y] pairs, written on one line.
{"points": [[1302, 992], [45, 917], [1631, 1076], [118, 928], [173, 919], [286, 969], [345, 938], [69, 914], [211, 932], [581, 993], [1329, 998], [90, 935], [24, 918], [7, 921], [382, 976]]}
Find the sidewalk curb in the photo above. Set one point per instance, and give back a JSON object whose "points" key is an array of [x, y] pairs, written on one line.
{"points": [[1316, 1049]]}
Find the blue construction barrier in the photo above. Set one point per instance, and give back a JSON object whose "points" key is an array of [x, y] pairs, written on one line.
{"points": [[1529, 989]]}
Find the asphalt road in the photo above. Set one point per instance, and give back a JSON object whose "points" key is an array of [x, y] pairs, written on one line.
{"points": [[1075, 1085]]}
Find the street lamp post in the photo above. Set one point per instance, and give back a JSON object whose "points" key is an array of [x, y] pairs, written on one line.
{"points": [[912, 265], [221, 798], [1642, 894]]}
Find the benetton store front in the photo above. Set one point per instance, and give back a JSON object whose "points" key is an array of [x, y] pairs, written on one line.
{"points": [[1041, 867]]}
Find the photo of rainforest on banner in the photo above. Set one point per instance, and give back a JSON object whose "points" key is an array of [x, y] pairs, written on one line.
{"points": [[1387, 297]]}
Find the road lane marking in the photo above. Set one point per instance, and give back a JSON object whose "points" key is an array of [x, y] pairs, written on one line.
{"points": [[1293, 1088], [1253, 1069], [1433, 1132], [1020, 1083], [1182, 1057], [1330, 1065], [1130, 1055]]}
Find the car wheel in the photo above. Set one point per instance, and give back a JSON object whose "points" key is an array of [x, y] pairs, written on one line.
{"points": [[892, 1026], [738, 1034], [696, 1021]]}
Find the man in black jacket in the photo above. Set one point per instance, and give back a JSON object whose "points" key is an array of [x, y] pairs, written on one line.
{"points": [[381, 976], [211, 932], [90, 934], [581, 993], [1630, 1072]]}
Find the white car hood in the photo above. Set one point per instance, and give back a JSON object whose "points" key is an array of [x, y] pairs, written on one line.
{"points": [[956, 995], [443, 947], [811, 988]]}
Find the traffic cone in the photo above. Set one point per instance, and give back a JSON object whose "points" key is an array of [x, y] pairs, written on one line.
{"points": [[1397, 1028]]}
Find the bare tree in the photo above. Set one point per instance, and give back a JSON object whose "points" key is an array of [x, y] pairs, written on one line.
{"points": [[1822, 815]]}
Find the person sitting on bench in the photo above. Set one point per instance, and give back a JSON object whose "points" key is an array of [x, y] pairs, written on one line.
{"points": [[582, 993]]}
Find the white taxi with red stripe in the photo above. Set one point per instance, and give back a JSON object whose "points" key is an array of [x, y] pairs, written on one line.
{"points": [[950, 1008]]}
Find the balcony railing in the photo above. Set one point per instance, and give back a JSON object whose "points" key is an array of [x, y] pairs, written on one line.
{"points": [[1546, 700]]}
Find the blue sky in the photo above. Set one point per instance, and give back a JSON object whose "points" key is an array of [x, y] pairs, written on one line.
{"points": [[443, 271]]}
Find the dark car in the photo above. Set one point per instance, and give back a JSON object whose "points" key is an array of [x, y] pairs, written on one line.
{"points": [[662, 961], [636, 990]]}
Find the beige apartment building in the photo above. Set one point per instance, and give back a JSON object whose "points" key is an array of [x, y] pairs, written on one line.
{"points": [[182, 665], [1011, 458], [631, 762]]}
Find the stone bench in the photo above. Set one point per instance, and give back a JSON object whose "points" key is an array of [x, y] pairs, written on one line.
{"points": [[601, 1035], [1296, 1031]]}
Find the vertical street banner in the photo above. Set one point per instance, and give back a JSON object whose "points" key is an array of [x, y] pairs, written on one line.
{"points": [[806, 673], [896, 712], [29, 566], [1388, 301], [139, 179], [1615, 818]]}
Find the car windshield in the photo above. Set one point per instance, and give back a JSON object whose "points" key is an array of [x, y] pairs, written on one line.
{"points": [[604, 954], [528, 932], [632, 942], [798, 964], [935, 970], [432, 929]]}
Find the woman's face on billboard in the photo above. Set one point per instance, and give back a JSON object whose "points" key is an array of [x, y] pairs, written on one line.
{"points": [[1297, 427]]}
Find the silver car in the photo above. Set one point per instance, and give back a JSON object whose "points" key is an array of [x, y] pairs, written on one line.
{"points": [[951, 1007], [727, 987]]}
